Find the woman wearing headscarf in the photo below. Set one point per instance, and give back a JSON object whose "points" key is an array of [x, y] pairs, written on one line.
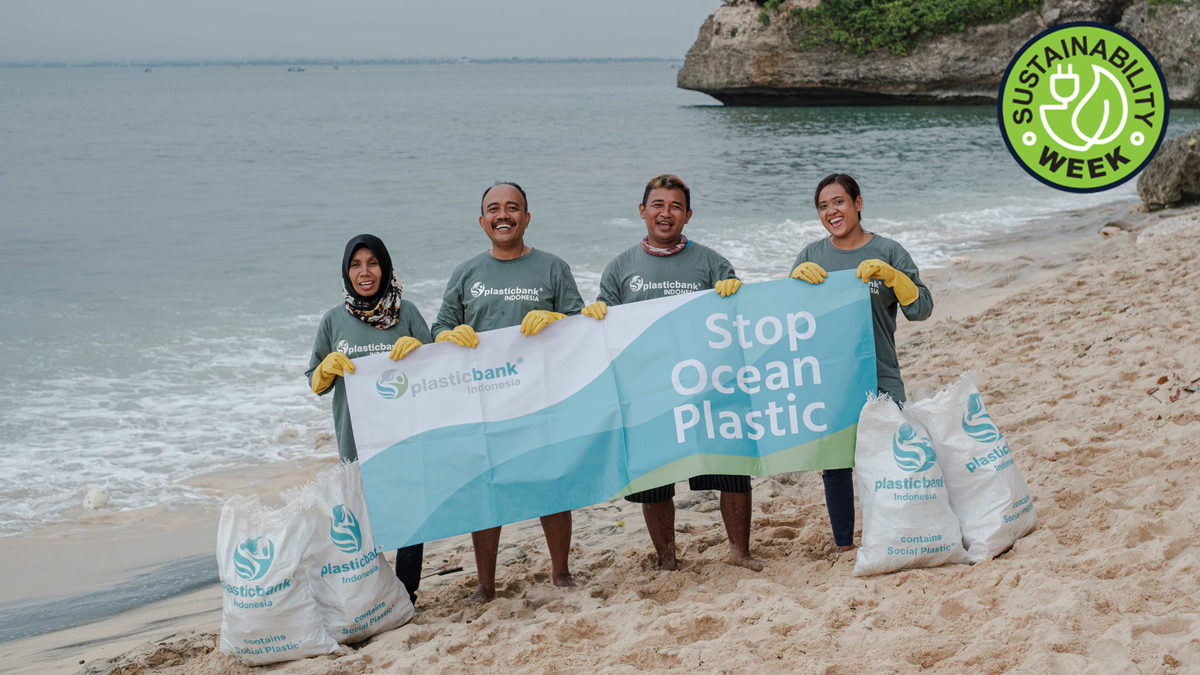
{"points": [[372, 318]]}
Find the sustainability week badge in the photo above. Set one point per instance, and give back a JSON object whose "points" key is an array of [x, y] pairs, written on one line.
{"points": [[1083, 107]]}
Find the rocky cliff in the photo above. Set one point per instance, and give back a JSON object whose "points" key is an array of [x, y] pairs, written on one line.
{"points": [[740, 61]]}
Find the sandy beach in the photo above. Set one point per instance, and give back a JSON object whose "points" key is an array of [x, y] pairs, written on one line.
{"points": [[1088, 360]]}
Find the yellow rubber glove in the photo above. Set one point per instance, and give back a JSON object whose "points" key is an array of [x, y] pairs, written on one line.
{"points": [[336, 364], [462, 335], [597, 310], [537, 319], [810, 272], [904, 288], [727, 287], [403, 347]]}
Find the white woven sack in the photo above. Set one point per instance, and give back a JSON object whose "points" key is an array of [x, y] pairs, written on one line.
{"points": [[907, 521], [357, 592], [987, 491], [269, 612]]}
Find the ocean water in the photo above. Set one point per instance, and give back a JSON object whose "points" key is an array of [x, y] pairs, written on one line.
{"points": [[170, 239]]}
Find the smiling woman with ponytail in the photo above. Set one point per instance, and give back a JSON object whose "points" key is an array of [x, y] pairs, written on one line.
{"points": [[371, 319], [895, 286]]}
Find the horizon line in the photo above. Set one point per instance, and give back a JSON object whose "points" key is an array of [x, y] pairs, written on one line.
{"points": [[319, 61]]}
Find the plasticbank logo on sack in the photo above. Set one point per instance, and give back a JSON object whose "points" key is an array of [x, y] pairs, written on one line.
{"points": [[913, 453], [253, 557], [1083, 107], [978, 424], [344, 530]]}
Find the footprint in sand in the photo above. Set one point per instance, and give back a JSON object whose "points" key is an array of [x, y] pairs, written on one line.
{"points": [[1167, 625]]}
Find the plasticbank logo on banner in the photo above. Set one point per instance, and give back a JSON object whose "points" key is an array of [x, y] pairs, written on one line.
{"points": [[344, 529], [391, 384], [913, 453], [253, 557], [1083, 107]]}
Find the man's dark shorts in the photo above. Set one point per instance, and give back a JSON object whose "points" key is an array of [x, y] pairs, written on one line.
{"points": [[739, 484]]}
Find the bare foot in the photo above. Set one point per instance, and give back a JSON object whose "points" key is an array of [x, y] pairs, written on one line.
{"points": [[667, 562], [564, 581], [481, 597], [843, 549], [747, 561]]}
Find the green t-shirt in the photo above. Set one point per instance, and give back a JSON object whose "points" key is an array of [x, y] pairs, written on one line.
{"points": [[883, 299], [635, 275], [487, 294], [341, 331]]}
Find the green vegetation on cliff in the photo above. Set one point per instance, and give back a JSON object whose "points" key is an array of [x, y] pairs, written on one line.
{"points": [[764, 15], [895, 25]]}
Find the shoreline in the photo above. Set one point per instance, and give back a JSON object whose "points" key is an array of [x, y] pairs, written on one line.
{"points": [[968, 286]]}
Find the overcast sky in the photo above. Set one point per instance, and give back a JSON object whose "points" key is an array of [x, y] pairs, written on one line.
{"points": [[86, 30]]}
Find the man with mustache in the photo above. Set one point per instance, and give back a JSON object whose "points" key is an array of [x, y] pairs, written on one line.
{"points": [[666, 263], [510, 284]]}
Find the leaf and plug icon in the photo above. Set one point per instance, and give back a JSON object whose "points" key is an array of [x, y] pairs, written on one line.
{"points": [[1064, 102]]}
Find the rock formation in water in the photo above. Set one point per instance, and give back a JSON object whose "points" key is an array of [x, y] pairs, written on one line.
{"points": [[1172, 178], [740, 61]]}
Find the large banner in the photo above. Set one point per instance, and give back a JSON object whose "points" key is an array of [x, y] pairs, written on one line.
{"points": [[768, 380]]}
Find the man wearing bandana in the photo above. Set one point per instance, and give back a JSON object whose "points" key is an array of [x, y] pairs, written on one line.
{"points": [[667, 263]]}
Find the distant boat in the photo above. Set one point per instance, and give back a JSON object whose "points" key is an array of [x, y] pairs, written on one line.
{"points": [[148, 70], [295, 70], [336, 68]]}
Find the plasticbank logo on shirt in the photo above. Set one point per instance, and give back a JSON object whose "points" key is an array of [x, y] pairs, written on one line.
{"points": [[508, 293], [346, 348], [1083, 107], [637, 284]]}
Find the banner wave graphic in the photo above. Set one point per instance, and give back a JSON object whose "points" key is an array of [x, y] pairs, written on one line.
{"points": [[769, 380]]}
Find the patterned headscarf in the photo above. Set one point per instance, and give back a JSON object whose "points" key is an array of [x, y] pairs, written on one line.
{"points": [[381, 310]]}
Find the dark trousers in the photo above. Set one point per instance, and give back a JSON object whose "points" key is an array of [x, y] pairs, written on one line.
{"points": [[409, 559], [839, 500], [839, 497]]}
